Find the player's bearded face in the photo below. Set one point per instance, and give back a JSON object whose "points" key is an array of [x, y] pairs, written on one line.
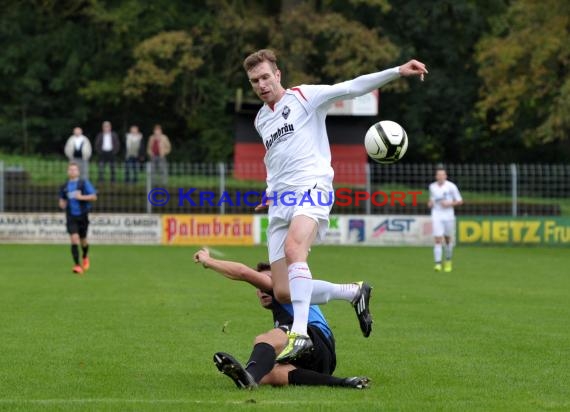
{"points": [[266, 83]]}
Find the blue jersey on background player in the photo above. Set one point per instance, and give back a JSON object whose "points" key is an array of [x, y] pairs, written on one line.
{"points": [[75, 197], [70, 190]]}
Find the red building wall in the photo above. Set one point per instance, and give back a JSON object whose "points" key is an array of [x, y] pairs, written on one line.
{"points": [[348, 160]]}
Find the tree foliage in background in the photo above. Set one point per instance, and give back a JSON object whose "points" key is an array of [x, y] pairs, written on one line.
{"points": [[524, 64], [178, 63], [438, 114], [164, 64], [321, 44], [41, 66]]}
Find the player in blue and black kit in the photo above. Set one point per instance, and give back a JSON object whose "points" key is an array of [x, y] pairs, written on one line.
{"points": [[75, 197], [314, 367]]}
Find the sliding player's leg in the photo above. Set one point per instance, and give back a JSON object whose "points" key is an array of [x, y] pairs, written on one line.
{"points": [[317, 367], [260, 363], [300, 376]]}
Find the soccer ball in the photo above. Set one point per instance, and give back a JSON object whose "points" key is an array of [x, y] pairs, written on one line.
{"points": [[386, 142]]}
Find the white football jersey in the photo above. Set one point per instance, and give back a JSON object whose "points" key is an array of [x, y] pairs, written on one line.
{"points": [[447, 191], [294, 133]]}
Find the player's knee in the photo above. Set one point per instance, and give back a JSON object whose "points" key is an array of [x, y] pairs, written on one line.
{"points": [[275, 338], [292, 250], [258, 339], [263, 338]]}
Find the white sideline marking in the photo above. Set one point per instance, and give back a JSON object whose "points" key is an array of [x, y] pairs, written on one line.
{"points": [[187, 401]]}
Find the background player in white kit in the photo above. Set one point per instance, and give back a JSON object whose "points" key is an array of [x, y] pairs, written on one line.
{"points": [[443, 197], [292, 126]]}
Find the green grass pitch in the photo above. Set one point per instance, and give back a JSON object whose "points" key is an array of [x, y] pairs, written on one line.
{"points": [[139, 330]]}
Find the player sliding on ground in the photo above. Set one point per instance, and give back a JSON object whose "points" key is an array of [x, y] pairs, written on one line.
{"points": [[292, 126], [312, 368]]}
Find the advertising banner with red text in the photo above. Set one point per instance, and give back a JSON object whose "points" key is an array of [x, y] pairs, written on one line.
{"points": [[203, 230]]}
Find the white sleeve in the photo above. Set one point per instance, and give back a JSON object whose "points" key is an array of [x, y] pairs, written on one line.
{"points": [[324, 95], [68, 149], [456, 194], [87, 150]]}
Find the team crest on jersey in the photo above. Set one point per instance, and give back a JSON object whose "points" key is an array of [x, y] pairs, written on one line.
{"points": [[285, 112]]}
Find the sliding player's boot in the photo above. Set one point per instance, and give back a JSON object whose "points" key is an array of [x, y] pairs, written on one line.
{"points": [[357, 382], [233, 369]]}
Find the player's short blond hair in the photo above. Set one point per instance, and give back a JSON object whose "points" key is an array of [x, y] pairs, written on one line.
{"points": [[260, 56]]}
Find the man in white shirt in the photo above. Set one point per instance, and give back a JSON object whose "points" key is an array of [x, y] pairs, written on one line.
{"points": [[292, 126], [107, 146], [78, 150], [443, 197]]}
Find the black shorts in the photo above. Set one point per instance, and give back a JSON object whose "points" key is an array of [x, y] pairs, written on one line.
{"points": [[78, 224], [322, 358]]}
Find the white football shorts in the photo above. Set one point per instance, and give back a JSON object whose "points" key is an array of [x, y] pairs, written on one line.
{"points": [[296, 204], [442, 227]]}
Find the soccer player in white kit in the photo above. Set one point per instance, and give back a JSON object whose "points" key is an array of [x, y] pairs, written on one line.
{"points": [[292, 126], [443, 197]]}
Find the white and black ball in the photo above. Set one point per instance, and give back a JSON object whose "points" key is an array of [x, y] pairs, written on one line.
{"points": [[386, 142]]}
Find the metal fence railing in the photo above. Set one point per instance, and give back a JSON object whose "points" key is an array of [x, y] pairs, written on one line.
{"points": [[488, 189]]}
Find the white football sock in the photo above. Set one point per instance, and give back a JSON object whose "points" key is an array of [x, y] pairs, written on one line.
{"points": [[300, 289], [324, 292], [449, 251], [437, 253]]}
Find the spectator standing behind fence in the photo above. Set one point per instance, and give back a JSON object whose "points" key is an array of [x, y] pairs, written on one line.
{"points": [[78, 150], [75, 197], [107, 146], [158, 148], [134, 153]]}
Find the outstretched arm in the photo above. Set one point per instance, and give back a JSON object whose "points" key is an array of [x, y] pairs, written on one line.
{"points": [[368, 82], [365, 83], [234, 270]]}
